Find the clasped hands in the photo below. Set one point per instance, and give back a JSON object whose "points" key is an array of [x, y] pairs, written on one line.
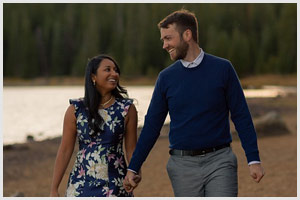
{"points": [[131, 181]]}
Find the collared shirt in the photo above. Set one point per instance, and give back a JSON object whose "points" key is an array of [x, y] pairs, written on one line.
{"points": [[194, 63]]}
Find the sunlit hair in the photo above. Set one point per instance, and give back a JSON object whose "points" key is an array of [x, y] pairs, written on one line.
{"points": [[92, 97], [184, 20]]}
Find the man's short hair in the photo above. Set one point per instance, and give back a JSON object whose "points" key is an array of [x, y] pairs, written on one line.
{"points": [[184, 20]]}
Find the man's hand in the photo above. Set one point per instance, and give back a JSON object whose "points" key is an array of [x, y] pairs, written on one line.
{"points": [[256, 172], [131, 181]]}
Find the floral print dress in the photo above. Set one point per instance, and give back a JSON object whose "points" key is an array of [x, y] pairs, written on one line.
{"points": [[100, 166]]}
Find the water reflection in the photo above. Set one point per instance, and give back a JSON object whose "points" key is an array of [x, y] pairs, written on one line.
{"points": [[39, 111]]}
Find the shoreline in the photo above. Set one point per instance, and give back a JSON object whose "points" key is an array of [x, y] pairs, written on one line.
{"points": [[253, 81], [24, 145], [258, 107]]}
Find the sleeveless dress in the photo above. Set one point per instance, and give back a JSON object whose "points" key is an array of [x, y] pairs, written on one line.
{"points": [[100, 166]]}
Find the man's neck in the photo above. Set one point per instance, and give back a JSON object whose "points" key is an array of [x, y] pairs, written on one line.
{"points": [[193, 52]]}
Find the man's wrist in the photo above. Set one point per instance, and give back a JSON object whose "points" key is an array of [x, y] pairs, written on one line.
{"points": [[253, 162], [132, 171]]}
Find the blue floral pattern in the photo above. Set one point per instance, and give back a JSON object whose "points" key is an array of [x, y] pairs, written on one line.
{"points": [[100, 166]]}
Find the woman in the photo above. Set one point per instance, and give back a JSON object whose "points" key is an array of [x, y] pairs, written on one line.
{"points": [[100, 121]]}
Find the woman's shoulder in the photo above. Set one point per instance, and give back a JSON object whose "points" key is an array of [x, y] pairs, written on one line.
{"points": [[124, 105], [77, 102], [124, 101]]}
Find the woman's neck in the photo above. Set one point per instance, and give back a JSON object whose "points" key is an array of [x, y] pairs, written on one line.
{"points": [[106, 97]]}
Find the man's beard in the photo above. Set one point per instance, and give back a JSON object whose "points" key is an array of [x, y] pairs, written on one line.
{"points": [[181, 50]]}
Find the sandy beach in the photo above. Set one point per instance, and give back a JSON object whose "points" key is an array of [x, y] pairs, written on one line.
{"points": [[28, 167]]}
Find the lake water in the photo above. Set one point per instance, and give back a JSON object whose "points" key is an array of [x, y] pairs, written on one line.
{"points": [[39, 110]]}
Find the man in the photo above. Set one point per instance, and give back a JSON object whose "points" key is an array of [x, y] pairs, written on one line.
{"points": [[198, 90]]}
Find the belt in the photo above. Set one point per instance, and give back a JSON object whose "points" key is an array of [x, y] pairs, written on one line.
{"points": [[198, 152]]}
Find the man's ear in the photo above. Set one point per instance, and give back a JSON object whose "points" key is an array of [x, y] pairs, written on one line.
{"points": [[187, 35]]}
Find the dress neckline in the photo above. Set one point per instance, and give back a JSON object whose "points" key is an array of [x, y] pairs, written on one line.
{"points": [[109, 106]]}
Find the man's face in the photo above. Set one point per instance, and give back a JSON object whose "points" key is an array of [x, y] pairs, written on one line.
{"points": [[173, 43]]}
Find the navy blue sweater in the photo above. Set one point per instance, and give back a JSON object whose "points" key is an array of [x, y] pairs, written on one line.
{"points": [[199, 101]]}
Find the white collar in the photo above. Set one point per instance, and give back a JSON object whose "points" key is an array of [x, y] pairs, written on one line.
{"points": [[194, 63]]}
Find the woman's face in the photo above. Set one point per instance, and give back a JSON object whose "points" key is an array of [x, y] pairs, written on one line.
{"points": [[106, 76]]}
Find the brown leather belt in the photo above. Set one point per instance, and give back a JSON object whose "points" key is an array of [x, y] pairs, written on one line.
{"points": [[198, 152]]}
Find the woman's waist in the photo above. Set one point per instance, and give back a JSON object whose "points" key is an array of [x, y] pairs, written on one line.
{"points": [[99, 147], [103, 143]]}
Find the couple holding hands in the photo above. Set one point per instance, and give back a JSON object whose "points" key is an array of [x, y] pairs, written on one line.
{"points": [[198, 90]]}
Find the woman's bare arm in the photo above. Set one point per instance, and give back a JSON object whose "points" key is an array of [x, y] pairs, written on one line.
{"points": [[65, 149]]}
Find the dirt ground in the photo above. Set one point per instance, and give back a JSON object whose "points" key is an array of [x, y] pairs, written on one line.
{"points": [[27, 168]]}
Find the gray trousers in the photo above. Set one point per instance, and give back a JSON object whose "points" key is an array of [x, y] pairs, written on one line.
{"points": [[212, 175]]}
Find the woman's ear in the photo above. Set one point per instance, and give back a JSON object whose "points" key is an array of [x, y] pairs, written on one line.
{"points": [[93, 77]]}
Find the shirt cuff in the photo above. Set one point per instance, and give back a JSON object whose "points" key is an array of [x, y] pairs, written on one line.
{"points": [[253, 162], [132, 171]]}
